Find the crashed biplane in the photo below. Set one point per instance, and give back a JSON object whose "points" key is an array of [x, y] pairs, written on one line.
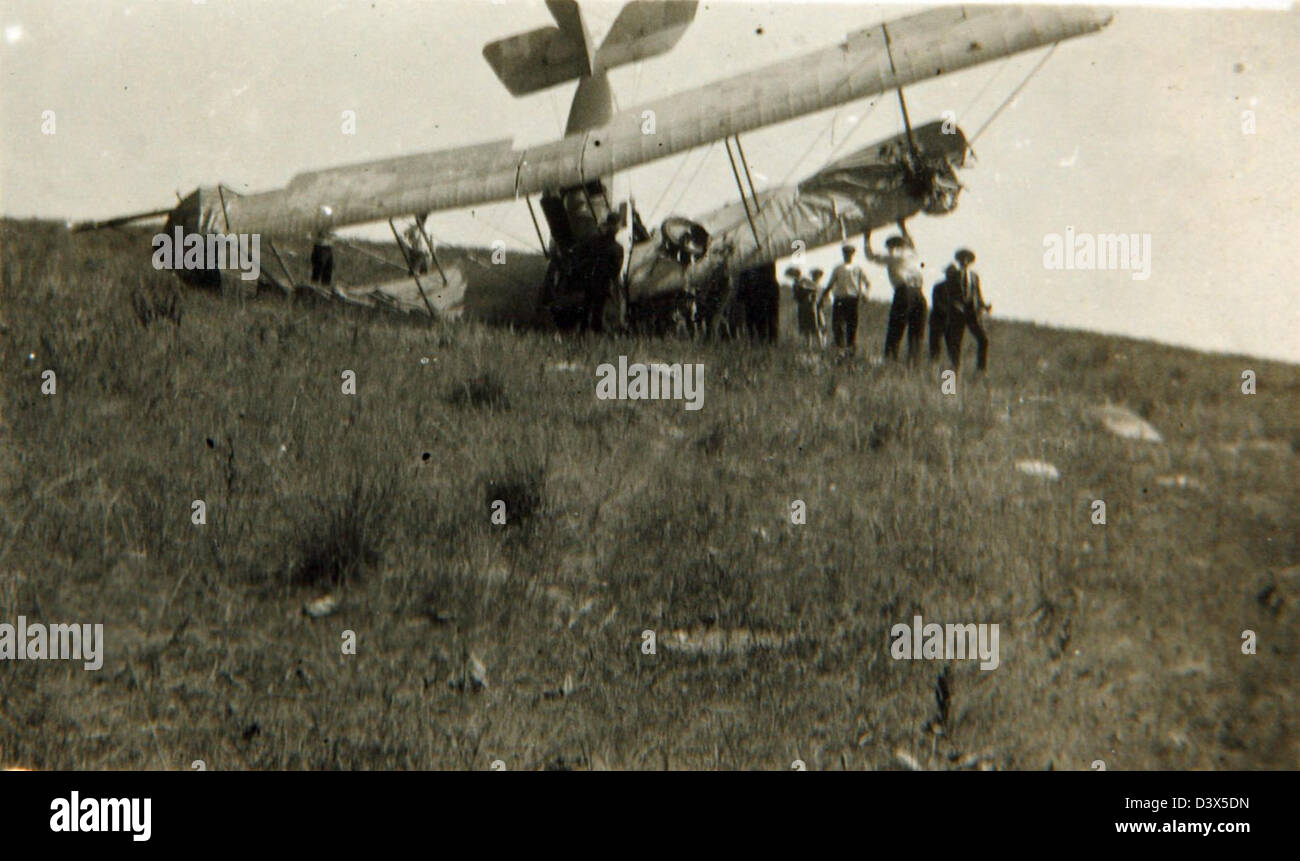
{"points": [[601, 267]]}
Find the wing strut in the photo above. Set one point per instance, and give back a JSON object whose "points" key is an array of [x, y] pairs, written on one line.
{"points": [[529, 200], [287, 273], [433, 252], [744, 199], [744, 162], [225, 216], [410, 267], [902, 102]]}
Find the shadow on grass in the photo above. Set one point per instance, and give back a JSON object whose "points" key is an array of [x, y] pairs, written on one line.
{"points": [[522, 489]]}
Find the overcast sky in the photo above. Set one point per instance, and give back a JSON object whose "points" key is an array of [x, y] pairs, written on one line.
{"points": [[1138, 129]]}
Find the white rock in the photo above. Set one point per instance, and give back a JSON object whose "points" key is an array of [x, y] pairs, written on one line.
{"points": [[1126, 423], [322, 606], [1038, 469]]}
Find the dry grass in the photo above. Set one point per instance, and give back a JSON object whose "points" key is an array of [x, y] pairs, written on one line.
{"points": [[1119, 643]]}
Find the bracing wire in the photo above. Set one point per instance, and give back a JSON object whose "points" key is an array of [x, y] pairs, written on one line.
{"points": [[871, 106], [691, 184], [1009, 99], [681, 164], [984, 89], [861, 122], [494, 226]]}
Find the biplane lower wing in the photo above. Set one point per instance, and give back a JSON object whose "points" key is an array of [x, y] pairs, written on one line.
{"points": [[926, 45], [868, 189], [467, 287]]}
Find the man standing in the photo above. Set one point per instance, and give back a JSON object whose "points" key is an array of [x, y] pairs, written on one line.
{"points": [[819, 319], [322, 258], [604, 277], [941, 308], [848, 284], [907, 313], [805, 297], [968, 311]]}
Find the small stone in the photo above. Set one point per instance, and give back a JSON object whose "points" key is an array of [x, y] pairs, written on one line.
{"points": [[321, 607], [1038, 469]]}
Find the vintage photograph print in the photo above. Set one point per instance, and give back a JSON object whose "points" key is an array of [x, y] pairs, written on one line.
{"points": [[469, 385]]}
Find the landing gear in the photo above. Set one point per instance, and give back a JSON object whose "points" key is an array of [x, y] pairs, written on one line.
{"points": [[584, 289]]}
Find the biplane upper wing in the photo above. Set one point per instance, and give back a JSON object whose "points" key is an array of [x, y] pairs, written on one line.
{"points": [[923, 46]]}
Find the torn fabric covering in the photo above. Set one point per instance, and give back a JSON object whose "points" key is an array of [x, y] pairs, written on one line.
{"points": [[871, 187]]}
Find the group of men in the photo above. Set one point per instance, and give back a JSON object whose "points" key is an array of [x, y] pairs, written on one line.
{"points": [[957, 302]]}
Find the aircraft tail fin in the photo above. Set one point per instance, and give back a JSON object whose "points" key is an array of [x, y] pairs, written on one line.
{"points": [[542, 58]]}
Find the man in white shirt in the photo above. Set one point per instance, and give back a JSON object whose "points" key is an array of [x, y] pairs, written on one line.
{"points": [[907, 313], [848, 284]]}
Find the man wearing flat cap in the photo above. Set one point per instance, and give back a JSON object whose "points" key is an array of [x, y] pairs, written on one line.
{"points": [[848, 284]]}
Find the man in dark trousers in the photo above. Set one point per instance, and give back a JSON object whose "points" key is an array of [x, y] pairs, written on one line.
{"points": [[941, 301], [804, 292], [322, 259], [907, 313], [604, 273], [848, 284], [968, 311]]}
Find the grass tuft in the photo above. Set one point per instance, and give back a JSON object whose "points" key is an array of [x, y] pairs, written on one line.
{"points": [[485, 390], [346, 536]]}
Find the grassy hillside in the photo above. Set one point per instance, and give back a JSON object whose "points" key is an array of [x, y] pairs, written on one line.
{"points": [[478, 642]]}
